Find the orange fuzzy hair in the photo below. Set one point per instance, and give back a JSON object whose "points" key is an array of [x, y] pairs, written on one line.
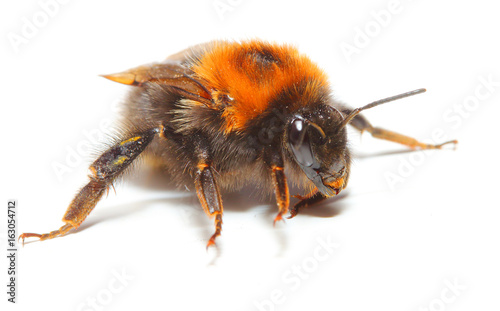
{"points": [[250, 74]]}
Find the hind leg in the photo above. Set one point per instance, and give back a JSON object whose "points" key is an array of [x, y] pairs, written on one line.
{"points": [[104, 171]]}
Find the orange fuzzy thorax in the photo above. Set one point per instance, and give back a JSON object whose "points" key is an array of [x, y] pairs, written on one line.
{"points": [[252, 73]]}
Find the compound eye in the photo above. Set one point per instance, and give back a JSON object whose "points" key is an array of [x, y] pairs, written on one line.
{"points": [[299, 141]]}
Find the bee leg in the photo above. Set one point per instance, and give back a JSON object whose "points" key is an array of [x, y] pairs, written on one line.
{"points": [[362, 124], [209, 196], [104, 171], [309, 199], [275, 163]]}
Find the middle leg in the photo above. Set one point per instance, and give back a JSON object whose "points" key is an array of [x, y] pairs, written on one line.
{"points": [[209, 196], [207, 188]]}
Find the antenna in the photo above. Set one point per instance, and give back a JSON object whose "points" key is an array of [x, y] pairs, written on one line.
{"points": [[379, 102]]}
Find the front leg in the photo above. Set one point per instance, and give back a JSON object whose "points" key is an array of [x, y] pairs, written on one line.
{"points": [[274, 163], [309, 199], [360, 123]]}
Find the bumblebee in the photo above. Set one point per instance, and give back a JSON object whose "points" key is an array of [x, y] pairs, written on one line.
{"points": [[225, 114]]}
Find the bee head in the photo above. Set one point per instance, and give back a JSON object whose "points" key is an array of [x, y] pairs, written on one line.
{"points": [[318, 143]]}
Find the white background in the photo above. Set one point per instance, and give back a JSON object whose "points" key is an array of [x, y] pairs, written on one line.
{"points": [[399, 245]]}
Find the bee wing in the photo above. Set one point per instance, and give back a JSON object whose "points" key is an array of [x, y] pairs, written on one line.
{"points": [[172, 73]]}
